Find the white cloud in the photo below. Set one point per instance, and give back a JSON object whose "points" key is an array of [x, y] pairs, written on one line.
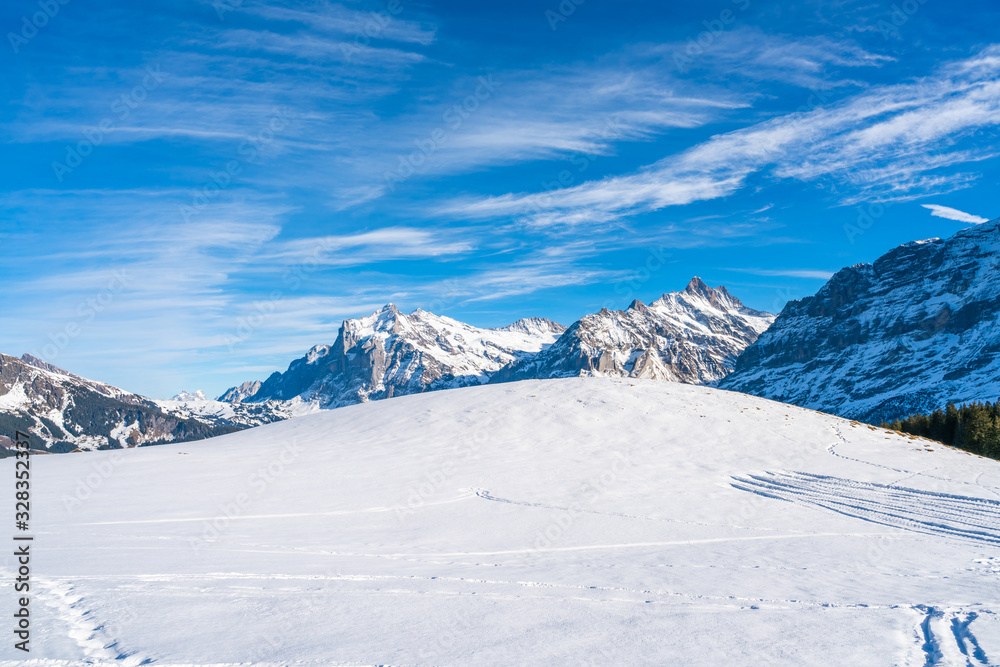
{"points": [[954, 214], [893, 135], [789, 273]]}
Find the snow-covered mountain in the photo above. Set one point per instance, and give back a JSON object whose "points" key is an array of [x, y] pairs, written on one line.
{"points": [[582, 521], [65, 411], [389, 353], [226, 413], [910, 332], [692, 336]]}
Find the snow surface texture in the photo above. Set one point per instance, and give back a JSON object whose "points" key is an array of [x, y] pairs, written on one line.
{"points": [[557, 522], [914, 330]]}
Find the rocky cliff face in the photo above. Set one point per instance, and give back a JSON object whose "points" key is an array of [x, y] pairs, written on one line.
{"points": [[917, 328], [692, 336], [390, 353], [63, 411]]}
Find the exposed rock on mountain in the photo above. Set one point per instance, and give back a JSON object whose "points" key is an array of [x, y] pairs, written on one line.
{"points": [[390, 353], [691, 336], [63, 411], [910, 332]]}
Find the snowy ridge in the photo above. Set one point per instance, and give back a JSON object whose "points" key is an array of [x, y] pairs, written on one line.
{"points": [[389, 353], [692, 336], [910, 332], [64, 411]]}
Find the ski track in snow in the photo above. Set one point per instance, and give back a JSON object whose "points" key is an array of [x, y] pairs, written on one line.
{"points": [[640, 596], [90, 634], [944, 638], [250, 517], [928, 512]]}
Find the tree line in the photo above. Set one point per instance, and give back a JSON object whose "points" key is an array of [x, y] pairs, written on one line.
{"points": [[974, 427]]}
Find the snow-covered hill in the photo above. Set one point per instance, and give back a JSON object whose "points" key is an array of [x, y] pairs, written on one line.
{"points": [[65, 411], [558, 522], [691, 336], [910, 332], [390, 353]]}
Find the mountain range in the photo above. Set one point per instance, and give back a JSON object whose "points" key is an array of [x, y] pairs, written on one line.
{"points": [[389, 353], [915, 329], [693, 336], [66, 412]]}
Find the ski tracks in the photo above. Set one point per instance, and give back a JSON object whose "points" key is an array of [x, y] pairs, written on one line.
{"points": [[92, 636], [945, 640], [928, 512]]}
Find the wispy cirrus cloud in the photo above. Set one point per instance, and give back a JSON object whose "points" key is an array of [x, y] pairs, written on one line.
{"points": [[811, 62], [895, 134]]}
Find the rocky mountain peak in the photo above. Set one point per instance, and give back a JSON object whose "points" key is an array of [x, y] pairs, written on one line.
{"points": [[697, 286], [638, 306], [690, 336], [913, 330]]}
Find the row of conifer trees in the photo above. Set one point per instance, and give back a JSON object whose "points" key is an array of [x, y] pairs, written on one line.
{"points": [[974, 427]]}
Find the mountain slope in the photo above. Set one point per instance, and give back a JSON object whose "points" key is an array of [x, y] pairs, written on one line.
{"points": [[390, 353], [917, 328], [557, 522], [65, 411], [693, 336]]}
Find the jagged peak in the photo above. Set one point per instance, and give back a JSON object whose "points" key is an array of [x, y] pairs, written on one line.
{"points": [[186, 396], [697, 286], [240, 392], [638, 306], [317, 352], [40, 364], [526, 324]]}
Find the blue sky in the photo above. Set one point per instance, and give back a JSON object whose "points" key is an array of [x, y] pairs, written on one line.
{"points": [[193, 193]]}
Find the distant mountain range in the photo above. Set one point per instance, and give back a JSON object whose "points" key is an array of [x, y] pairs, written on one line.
{"points": [[66, 412], [390, 353], [915, 329], [691, 336]]}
